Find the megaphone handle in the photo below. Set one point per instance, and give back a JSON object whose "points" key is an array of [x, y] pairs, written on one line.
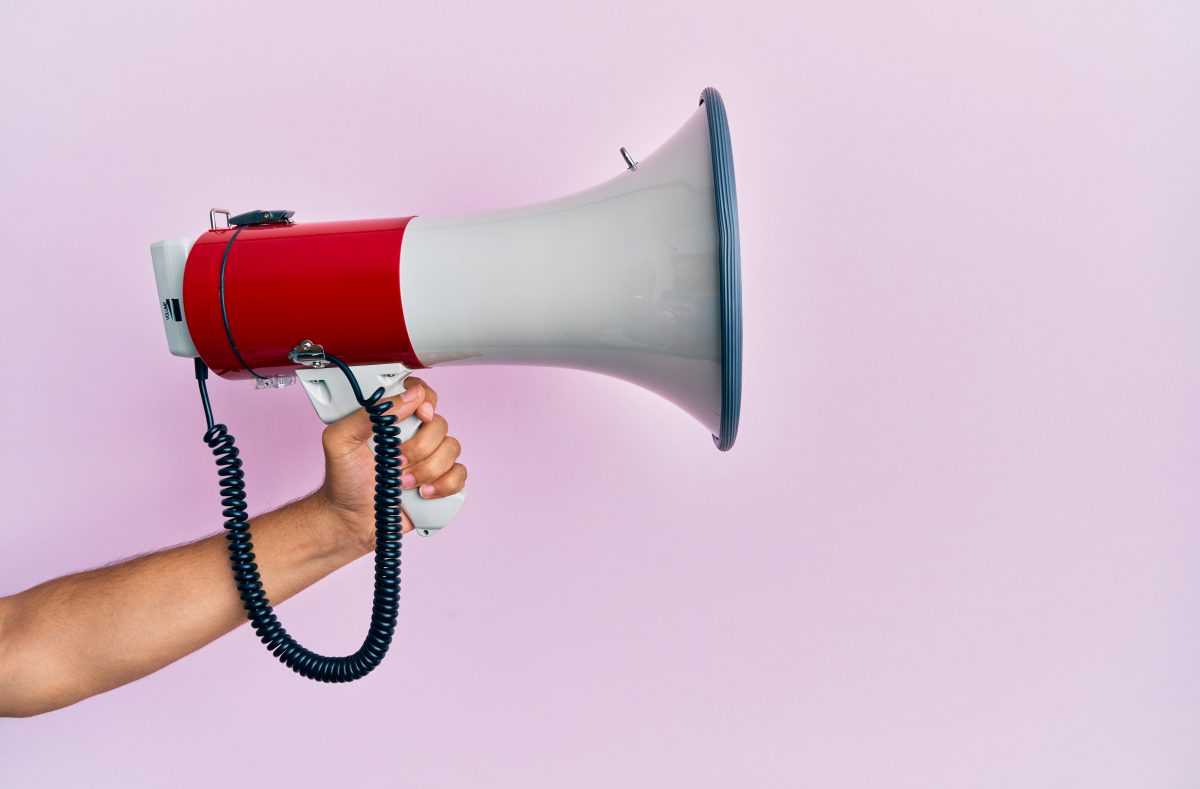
{"points": [[330, 393], [428, 516]]}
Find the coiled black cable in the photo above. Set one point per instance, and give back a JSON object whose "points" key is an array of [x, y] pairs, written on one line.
{"points": [[387, 543]]}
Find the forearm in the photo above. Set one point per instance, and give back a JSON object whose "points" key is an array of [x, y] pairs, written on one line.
{"points": [[77, 636]]}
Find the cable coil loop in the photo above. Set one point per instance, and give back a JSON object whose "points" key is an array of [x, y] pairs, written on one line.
{"points": [[388, 525]]}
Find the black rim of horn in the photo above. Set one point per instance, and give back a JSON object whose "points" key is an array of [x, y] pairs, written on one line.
{"points": [[730, 268]]}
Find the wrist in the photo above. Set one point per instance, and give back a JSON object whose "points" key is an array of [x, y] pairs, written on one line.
{"points": [[346, 533]]}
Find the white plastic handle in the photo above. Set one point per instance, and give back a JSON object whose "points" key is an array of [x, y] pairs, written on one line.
{"points": [[427, 515], [333, 398]]}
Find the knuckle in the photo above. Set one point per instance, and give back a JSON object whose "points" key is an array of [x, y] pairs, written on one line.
{"points": [[430, 394], [454, 445], [444, 458], [414, 449], [431, 470]]}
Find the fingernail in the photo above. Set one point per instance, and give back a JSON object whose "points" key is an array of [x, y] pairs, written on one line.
{"points": [[427, 490], [407, 481], [403, 460], [426, 410], [411, 393]]}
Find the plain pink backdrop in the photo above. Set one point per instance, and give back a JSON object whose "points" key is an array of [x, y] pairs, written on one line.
{"points": [[956, 545]]}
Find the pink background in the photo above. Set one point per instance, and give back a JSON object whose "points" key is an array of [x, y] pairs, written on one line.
{"points": [[956, 544]]}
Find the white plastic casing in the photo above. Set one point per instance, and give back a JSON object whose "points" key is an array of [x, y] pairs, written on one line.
{"points": [[170, 257], [621, 279]]}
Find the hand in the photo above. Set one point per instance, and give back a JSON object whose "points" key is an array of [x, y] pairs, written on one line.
{"points": [[429, 457]]}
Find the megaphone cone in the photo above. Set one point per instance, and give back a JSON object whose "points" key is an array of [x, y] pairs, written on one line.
{"points": [[636, 278]]}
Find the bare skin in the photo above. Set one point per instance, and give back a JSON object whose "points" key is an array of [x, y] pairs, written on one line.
{"points": [[83, 634]]}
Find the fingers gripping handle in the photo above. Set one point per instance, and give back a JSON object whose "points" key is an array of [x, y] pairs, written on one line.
{"points": [[333, 398], [427, 515]]}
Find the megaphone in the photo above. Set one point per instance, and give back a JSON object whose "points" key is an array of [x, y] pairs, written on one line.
{"points": [[637, 278]]}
